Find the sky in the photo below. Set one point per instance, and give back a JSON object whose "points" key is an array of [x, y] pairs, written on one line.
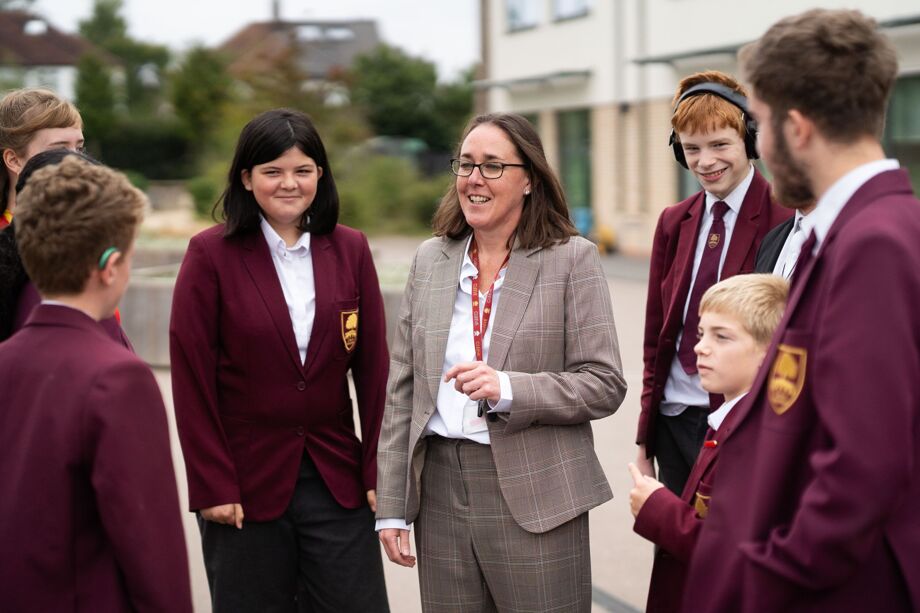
{"points": [[445, 32]]}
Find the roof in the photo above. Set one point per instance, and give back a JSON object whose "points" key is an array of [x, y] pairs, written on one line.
{"points": [[28, 40], [323, 47]]}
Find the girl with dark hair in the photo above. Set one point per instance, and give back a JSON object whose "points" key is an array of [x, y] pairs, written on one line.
{"points": [[272, 309]]}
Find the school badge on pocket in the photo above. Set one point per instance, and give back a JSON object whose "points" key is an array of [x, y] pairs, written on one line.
{"points": [[349, 329], [787, 377]]}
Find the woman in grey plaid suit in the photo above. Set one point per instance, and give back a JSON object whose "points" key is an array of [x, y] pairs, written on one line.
{"points": [[505, 351]]}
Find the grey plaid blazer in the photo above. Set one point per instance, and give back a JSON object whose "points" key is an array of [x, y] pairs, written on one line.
{"points": [[555, 338]]}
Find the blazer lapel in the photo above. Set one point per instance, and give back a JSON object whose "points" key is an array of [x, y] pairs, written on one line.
{"points": [[445, 278], [517, 288], [258, 262], [683, 257], [325, 272], [745, 231]]}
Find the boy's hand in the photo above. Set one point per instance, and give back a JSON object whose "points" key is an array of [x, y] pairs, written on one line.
{"points": [[644, 486], [646, 466]]}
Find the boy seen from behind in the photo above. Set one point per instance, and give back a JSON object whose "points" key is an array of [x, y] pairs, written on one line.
{"points": [[737, 319], [89, 514]]}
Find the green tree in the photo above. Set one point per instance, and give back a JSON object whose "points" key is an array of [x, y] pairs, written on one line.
{"points": [[396, 92], [95, 99], [144, 63], [200, 88], [400, 96]]}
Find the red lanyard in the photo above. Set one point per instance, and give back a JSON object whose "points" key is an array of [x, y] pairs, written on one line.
{"points": [[479, 328]]}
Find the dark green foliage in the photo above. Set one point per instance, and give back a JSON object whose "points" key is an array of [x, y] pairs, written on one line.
{"points": [[95, 99], [400, 96], [155, 147], [143, 63], [200, 88]]}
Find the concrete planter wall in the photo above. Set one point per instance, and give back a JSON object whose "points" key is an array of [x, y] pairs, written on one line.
{"points": [[145, 314]]}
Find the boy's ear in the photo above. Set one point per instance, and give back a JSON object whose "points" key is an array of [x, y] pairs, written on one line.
{"points": [[107, 266]]}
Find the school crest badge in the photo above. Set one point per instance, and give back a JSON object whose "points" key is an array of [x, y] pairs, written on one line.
{"points": [[714, 239], [349, 329], [787, 377], [701, 505]]}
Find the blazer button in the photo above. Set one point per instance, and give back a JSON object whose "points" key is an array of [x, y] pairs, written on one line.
{"points": [[301, 386], [299, 430]]}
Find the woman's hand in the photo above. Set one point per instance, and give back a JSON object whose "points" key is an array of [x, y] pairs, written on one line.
{"points": [[372, 500], [231, 514], [477, 380], [642, 489], [396, 544]]}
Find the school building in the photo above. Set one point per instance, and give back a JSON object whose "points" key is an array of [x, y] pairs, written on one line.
{"points": [[597, 76]]}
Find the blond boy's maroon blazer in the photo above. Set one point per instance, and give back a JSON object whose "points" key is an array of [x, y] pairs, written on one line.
{"points": [[670, 271], [89, 515], [817, 502], [674, 525], [245, 405]]}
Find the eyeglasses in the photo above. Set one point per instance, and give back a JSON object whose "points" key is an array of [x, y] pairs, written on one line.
{"points": [[488, 170]]}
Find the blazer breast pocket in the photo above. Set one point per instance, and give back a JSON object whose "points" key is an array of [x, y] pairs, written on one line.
{"points": [[787, 384], [347, 318]]}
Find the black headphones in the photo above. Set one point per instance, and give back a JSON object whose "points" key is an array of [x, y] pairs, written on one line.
{"points": [[729, 95]]}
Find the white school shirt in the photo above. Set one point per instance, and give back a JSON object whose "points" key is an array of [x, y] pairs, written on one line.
{"points": [[789, 255], [294, 266], [447, 420]]}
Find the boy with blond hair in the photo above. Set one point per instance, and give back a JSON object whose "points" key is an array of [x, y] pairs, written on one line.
{"points": [[89, 514], [737, 319], [712, 235]]}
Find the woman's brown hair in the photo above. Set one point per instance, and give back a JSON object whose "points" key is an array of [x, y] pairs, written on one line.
{"points": [[545, 217]]}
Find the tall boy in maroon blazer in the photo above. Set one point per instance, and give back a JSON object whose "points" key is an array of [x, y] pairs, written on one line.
{"points": [[711, 235], [737, 319], [817, 502], [89, 515]]}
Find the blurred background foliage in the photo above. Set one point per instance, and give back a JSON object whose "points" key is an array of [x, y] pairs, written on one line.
{"points": [[388, 123]]}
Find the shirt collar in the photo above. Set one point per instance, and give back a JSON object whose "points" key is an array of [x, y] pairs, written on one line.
{"points": [[835, 198], [736, 197], [468, 271], [277, 246], [716, 418]]}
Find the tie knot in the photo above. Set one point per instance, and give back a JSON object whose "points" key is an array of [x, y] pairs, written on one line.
{"points": [[719, 209]]}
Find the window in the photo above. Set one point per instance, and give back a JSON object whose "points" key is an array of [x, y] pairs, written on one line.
{"points": [[522, 14], [570, 9], [575, 162], [902, 128]]}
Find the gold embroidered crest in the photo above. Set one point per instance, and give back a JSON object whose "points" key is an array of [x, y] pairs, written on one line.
{"points": [[349, 329], [714, 240], [787, 377], [701, 505]]}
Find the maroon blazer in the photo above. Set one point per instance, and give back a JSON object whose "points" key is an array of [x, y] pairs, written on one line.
{"points": [[89, 514], [818, 502], [245, 406], [29, 298], [671, 268], [674, 525]]}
